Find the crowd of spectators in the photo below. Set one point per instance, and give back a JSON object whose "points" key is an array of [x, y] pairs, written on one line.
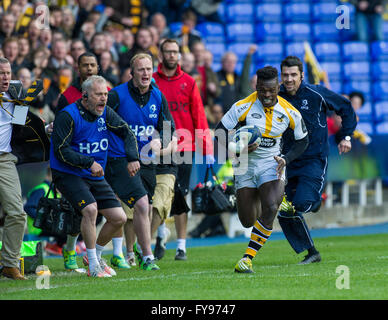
{"points": [[44, 42]]}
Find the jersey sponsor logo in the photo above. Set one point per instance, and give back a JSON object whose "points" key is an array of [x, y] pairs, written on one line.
{"points": [[101, 124], [153, 110], [140, 131], [304, 105], [256, 115], [242, 108], [178, 106], [267, 142], [94, 147]]}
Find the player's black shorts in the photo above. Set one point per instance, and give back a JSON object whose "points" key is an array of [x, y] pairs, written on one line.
{"points": [[81, 192], [129, 189], [148, 177]]}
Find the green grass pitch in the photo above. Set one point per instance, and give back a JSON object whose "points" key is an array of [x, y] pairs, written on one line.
{"points": [[208, 275]]}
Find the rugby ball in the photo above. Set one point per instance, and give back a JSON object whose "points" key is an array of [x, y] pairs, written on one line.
{"points": [[244, 137]]}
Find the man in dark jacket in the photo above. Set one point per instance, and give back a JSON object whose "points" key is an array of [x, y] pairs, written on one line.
{"points": [[306, 175]]}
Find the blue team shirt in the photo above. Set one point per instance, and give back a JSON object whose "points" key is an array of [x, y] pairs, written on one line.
{"points": [[89, 138], [314, 103], [142, 120]]}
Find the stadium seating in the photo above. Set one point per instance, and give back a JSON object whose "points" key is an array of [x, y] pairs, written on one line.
{"points": [[366, 127], [325, 11], [380, 90], [355, 50], [240, 32], [333, 70], [269, 12], [295, 49], [382, 128], [327, 51], [336, 86], [217, 49], [356, 70], [297, 12], [325, 31], [211, 31], [381, 111], [269, 31], [240, 49], [239, 12], [379, 50], [363, 86], [269, 51], [380, 70], [366, 112], [297, 31]]}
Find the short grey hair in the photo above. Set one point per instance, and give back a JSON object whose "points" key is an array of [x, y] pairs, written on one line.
{"points": [[89, 82]]}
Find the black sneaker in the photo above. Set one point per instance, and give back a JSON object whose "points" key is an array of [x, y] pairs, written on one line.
{"points": [[180, 255], [160, 248], [311, 259]]}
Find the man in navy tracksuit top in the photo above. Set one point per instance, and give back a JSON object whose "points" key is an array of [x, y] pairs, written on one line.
{"points": [[306, 175]]}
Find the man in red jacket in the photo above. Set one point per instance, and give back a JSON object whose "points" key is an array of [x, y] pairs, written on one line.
{"points": [[185, 104]]}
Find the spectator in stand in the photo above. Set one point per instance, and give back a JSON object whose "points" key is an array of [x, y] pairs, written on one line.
{"points": [[88, 30], [127, 12], [369, 19], [23, 59], [45, 38], [77, 47], [55, 18], [68, 22], [158, 20], [33, 32], [216, 114], [24, 75], [98, 45], [11, 50], [143, 42], [126, 75], [58, 57], [187, 35], [188, 63], [108, 69], [27, 11], [110, 46], [208, 84], [212, 83], [234, 87], [40, 60], [128, 41], [7, 26]]}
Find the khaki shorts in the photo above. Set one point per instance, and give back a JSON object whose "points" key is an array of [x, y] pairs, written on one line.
{"points": [[164, 194], [128, 211]]}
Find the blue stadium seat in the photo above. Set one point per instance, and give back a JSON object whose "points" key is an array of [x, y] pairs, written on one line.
{"points": [[380, 70], [269, 12], [363, 86], [216, 66], [239, 67], [381, 111], [269, 31], [295, 49], [379, 50], [269, 51], [240, 49], [333, 70], [356, 70], [380, 90], [385, 29], [325, 31], [175, 26], [324, 11], [296, 12], [211, 31], [366, 127], [336, 86], [294, 32], [366, 112], [327, 51], [217, 49], [355, 50], [240, 32], [382, 128], [239, 12], [221, 11]]}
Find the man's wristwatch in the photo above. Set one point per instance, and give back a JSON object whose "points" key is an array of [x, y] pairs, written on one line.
{"points": [[347, 138]]}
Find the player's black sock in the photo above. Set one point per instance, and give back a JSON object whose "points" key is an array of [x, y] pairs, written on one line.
{"points": [[312, 251], [248, 255]]}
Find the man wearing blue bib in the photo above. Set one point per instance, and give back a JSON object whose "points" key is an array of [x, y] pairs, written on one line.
{"points": [[78, 155], [143, 106]]}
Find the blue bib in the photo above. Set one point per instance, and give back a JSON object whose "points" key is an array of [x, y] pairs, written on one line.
{"points": [[89, 138], [142, 120]]}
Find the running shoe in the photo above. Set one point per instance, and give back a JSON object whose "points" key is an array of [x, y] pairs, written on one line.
{"points": [[98, 272], [69, 259], [119, 262], [244, 266], [149, 265]]}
